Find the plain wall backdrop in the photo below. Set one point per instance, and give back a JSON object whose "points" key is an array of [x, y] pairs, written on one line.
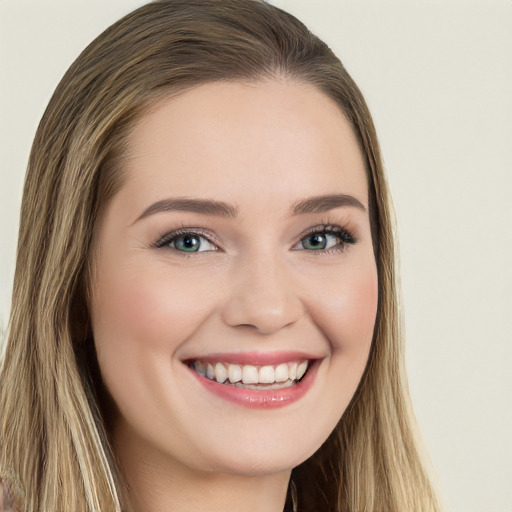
{"points": [[437, 77]]}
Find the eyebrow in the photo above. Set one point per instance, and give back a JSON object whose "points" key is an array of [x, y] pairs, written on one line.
{"points": [[316, 204], [319, 204], [185, 204]]}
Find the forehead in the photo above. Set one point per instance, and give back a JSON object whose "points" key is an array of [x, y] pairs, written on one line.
{"points": [[267, 139]]}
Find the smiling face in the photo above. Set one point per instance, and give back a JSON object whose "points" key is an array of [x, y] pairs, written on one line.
{"points": [[238, 250]]}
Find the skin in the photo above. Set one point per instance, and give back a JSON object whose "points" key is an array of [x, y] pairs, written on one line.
{"points": [[261, 147]]}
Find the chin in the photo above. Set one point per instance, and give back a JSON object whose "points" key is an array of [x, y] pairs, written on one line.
{"points": [[263, 453]]}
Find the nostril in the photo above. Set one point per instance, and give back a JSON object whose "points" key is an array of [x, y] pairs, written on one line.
{"points": [[264, 314]]}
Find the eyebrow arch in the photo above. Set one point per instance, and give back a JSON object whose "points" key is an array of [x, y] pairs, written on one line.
{"points": [[204, 206], [319, 204]]}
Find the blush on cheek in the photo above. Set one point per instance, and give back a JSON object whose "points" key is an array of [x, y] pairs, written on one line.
{"points": [[147, 312], [347, 310], [365, 305]]}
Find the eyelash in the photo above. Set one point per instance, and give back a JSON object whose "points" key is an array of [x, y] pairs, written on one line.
{"points": [[166, 240], [344, 236]]}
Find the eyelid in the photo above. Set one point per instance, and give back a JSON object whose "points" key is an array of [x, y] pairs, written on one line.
{"points": [[164, 240], [329, 229]]}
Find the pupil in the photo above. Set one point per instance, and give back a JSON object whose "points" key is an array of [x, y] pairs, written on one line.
{"points": [[316, 242], [189, 243]]}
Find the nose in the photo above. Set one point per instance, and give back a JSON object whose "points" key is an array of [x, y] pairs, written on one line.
{"points": [[263, 296]]}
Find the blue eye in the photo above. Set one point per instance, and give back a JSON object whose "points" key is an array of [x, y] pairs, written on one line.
{"points": [[323, 239], [188, 242], [319, 242]]}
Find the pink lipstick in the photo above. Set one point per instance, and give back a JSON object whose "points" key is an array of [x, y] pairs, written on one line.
{"points": [[257, 380]]}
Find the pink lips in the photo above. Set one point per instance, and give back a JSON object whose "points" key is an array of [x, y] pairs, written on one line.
{"points": [[260, 399]]}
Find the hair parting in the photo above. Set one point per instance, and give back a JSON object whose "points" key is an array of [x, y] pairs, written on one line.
{"points": [[54, 441]]}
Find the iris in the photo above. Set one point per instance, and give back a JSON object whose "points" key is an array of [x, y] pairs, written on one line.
{"points": [[188, 242], [315, 242]]}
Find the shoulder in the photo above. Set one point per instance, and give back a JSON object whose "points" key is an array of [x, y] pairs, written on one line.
{"points": [[6, 498]]}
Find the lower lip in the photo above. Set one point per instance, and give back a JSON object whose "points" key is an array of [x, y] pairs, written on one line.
{"points": [[264, 399]]}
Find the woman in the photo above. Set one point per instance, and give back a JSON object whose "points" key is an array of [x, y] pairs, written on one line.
{"points": [[204, 312]]}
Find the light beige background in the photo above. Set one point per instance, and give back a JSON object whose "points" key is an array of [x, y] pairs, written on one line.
{"points": [[437, 77]]}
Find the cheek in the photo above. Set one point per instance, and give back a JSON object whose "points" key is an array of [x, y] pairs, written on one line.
{"points": [[145, 308], [346, 311], [347, 307], [141, 315], [359, 308], [140, 318]]}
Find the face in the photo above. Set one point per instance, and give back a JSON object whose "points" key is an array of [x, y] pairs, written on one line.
{"points": [[234, 284]]}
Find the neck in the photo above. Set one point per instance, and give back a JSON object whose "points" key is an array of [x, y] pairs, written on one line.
{"points": [[159, 483]]}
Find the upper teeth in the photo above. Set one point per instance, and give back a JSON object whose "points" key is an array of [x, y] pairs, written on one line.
{"points": [[249, 374]]}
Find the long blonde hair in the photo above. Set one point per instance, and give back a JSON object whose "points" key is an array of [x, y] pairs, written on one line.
{"points": [[54, 446]]}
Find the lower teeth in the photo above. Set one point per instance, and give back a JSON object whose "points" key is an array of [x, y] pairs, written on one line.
{"points": [[263, 387], [258, 387]]}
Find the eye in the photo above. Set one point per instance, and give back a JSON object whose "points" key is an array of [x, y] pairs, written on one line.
{"points": [[325, 238], [319, 241], [187, 242]]}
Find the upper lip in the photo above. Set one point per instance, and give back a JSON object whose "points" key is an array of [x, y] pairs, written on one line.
{"points": [[255, 358]]}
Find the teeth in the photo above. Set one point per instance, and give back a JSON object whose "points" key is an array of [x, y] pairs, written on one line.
{"points": [[250, 376], [301, 369], [292, 371], [281, 373], [280, 385], [220, 373], [266, 375], [200, 368], [234, 373]]}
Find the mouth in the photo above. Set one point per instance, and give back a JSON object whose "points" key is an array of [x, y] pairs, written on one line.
{"points": [[255, 381], [248, 376]]}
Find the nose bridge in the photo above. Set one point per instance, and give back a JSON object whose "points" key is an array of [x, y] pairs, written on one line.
{"points": [[262, 294]]}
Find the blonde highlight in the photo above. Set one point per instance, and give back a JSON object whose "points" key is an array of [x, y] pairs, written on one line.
{"points": [[53, 426]]}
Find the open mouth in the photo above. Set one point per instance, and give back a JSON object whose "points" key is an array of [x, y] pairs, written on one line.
{"points": [[247, 376]]}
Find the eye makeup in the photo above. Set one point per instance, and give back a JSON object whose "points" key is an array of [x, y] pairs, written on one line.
{"points": [[322, 239], [319, 239], [187, 240]]}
